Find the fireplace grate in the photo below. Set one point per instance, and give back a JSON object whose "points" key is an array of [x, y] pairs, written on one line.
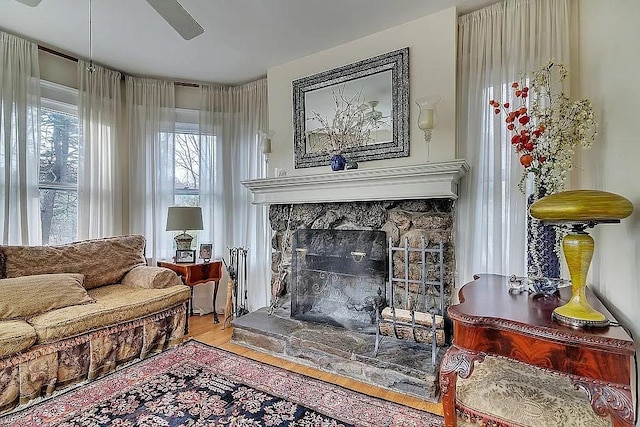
{"points": [[415, 306]]}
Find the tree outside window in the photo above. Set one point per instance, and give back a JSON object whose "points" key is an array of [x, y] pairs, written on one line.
{"points": [[187, 167], [58, 176]]}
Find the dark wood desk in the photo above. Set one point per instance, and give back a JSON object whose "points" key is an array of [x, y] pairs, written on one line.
{"points": [[196, 273], [491, 321]]}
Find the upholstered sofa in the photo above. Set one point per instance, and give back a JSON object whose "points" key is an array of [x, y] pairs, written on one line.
{"points": [[74, 312]]}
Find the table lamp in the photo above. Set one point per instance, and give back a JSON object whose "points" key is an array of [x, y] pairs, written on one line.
{"points": [[183, 218], [581, 209]]}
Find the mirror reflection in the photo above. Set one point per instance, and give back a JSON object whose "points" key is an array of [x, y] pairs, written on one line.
{"points": [[359, 110]]}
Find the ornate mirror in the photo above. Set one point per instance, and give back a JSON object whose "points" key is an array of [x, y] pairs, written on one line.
{"points": [[360, 110]]}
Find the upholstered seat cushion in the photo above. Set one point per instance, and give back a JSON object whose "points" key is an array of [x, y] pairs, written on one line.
{"points": [[514, 393], [15, 336], [114, 304]]}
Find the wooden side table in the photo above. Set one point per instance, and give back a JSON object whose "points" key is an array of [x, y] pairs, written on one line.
{"points": [[193, 274], [491, 321]]}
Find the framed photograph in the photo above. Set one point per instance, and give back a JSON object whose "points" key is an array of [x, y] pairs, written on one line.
{"points": [[185, 256], [205, 251]]}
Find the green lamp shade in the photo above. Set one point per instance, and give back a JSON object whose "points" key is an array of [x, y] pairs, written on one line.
{"points": [[582, 206]]}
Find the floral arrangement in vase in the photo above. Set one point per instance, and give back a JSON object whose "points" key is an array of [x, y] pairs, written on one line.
{"points": [[546, 127], [349, 127]]}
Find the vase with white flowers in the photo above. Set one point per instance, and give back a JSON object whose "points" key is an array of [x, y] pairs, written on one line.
{"points": [[348, 128], [545, 127]]}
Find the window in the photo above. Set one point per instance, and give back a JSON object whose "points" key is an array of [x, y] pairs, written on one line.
{"points": [[58, 165], [187, 162], [187, 168]]}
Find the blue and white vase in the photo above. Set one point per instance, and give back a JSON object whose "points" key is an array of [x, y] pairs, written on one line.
{"points": [[542, 256]]}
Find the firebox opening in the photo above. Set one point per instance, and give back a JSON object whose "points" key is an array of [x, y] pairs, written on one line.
{"points": [[337, 276]]}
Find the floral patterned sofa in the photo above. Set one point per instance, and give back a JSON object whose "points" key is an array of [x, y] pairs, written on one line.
{"points": [[74, 312]]}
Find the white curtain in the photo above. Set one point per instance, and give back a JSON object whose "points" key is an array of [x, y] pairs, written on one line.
{"points": [[99, 169], [151, 108], [230, 121], [496, 46], [19, 133]]}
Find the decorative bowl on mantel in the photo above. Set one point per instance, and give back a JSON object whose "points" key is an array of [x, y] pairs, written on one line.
{"points": [[581, 209]]}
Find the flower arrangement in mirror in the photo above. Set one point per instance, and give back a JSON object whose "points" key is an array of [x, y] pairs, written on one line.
{"points": [[348, 128], [546, 126]]}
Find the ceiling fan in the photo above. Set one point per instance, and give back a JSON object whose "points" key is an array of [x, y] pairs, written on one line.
{"points": [[170, 10], [373, 116]]}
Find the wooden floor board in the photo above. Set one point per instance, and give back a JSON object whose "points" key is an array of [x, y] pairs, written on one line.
{"points": [[203, 329]]}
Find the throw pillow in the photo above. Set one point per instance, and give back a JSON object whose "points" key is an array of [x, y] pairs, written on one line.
{"points": [[26, 296], [151, 277]]}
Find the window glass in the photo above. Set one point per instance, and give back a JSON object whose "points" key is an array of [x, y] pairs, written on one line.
{"points": [[58, 165], [58, 213], [58, 147], [187, 165]]}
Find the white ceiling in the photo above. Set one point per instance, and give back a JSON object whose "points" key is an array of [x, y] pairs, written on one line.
{"points": [[241, 40]]}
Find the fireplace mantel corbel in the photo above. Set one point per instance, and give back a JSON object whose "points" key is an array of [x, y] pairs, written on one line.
{"points": [[431, 180]]}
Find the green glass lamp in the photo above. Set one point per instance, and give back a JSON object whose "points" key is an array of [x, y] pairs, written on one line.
{"points": [[581, 209]]}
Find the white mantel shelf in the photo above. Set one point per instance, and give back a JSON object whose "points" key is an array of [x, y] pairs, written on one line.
{"points": [[431, 180]]}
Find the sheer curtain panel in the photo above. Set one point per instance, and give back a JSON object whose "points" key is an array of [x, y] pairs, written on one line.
{"points": [[230, 121], [151, 108], [100, 171], [497, 45], [19, 133]]}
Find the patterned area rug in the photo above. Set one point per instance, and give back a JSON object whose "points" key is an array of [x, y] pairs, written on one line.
{"points": [[198, 385]]}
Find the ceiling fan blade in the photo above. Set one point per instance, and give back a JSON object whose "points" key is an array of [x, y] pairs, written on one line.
{"points": [[32, 3], [177, 17]]}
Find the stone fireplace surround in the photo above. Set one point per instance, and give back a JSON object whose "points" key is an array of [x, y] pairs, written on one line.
{"points": [[405, 202]]}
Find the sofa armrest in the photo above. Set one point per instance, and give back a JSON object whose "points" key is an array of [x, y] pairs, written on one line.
{"points": [[149, 277]]}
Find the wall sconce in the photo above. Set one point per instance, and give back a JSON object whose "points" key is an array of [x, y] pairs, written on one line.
{"points": [[427, 117], [265, 143]]}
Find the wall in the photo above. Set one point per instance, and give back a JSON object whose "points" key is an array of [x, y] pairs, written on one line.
{"points": [[56, 69], [607, 65], [432, 71]]}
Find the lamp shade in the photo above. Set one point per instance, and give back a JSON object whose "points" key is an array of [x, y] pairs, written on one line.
{"points": [[582, 206], [183, 218]]}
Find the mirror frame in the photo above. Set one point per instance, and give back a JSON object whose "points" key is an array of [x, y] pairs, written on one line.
{"points": [[396, 61]]}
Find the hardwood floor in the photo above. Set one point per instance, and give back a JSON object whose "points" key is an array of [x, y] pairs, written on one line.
{"points": [[203, 329]]}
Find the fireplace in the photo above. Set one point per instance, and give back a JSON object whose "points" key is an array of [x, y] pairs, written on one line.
{"points": [[397, 220], [330, 245], [337, 276]]}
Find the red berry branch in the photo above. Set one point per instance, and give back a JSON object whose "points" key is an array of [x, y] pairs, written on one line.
{"points": [[545, 127], [525, 133]]}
